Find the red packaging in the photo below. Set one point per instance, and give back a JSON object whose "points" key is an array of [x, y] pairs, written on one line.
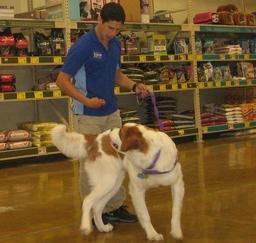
{"points": [[206, 18], [7, 78], [7, 88]]}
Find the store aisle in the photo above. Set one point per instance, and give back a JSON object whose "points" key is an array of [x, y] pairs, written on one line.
{"points": [[40, 203]]}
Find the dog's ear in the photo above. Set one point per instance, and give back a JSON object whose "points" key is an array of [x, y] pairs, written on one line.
{"points": [[130, 144]]}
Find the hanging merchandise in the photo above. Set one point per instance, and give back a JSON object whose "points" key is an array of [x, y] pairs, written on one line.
{"points": [[21, 44], [57, 42], [42, 45], [7, 43]]}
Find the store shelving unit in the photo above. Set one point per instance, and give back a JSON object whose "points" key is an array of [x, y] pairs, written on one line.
{"points": [[195, 87]]}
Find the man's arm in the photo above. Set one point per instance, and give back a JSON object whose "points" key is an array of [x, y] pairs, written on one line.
{"points": [[64, 83], [123, 81]]}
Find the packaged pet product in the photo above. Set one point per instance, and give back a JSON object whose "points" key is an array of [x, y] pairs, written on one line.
{"points": [[132, 44], [226, 73], [208, 46], [19, 145], [206, 18], [7, 88], [208, 71], [90, 9], [239, 18], [252, 45], [217, 74], [7, 78], [180, 46], [21, 44], [42, 45], [199, 46], [157, 44], [7, 43], [57, 42], [144, 10], [3, 136], [18, 135], [245, 69], [251, 19], [226, 18]]}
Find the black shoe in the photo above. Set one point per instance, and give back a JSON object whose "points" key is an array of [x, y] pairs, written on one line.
{"points": [[104, 219], [120, 215]]}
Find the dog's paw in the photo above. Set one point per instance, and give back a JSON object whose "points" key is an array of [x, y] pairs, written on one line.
{"points": [[86, 230], [177, 234], [155, 237], [107, 228]]}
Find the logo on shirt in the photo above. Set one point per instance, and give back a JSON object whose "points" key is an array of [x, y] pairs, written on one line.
{"points": [[97, 55]]}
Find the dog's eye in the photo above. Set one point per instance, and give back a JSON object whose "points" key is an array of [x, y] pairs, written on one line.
{"points": [[115, 145]]}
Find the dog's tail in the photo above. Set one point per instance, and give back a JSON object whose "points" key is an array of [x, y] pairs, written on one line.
{"points": [[71, 144]]}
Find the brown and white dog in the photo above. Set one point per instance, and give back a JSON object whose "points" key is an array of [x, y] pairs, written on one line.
{"points": [[149, 156]]}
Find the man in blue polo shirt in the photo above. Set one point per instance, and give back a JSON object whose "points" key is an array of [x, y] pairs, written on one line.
{"points": [[89, 74]]}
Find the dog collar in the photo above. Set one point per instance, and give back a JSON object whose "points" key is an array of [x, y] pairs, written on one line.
{"points": [[150, 171]]}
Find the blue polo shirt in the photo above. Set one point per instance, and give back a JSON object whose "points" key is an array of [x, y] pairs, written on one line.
{"points": [[93, 68]]}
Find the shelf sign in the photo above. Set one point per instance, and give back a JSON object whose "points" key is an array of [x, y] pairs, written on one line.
{"points": [[162, 87], [21, 95], [181, 132], [56, 93], [22, 60], [1, 96], [174, 86], [34, 60], [117, 90], [39, 94], [57, 60]]}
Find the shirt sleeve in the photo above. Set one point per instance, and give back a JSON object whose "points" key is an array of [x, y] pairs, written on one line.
{"points": [[77, 56]]}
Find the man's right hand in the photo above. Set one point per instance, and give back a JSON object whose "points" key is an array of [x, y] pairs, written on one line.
{"points": [[95, 102]]}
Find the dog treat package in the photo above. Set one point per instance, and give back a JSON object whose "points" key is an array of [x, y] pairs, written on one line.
{"points": [[21, 44], [206, 18], [226, 18], [239, 18], [7, 78], [7, 87], [250, 19], [3, 146], [18, 135], [37, 126], [3, 136], [19, 145], [245, 69]]}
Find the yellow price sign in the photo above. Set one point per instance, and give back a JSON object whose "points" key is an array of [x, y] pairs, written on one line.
{"points": [[57, 60], [199, 57], [181, 132], [1, 96], [247, 124], [228, 83], [246, 56], [218, 84], [157, 58], [174, 86], [210, 84], [143, 58], [150, 87], [222, 56], [34, 60], [201, 85], [171, 57], [117, 90], [162, 87], [22, 60], [184, 86], [190, 57], [56, 93], [39, 94], [205, 129], [21, 95]]}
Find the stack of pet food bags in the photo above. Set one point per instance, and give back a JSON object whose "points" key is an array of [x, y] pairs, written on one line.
{"points": [[169, 118], [249, 111], [232, 113], [15, 139], [40, 131], [129, 115]]}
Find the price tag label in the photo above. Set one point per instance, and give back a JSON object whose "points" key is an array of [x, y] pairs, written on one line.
{"points": [[210, 84], [228, 83], [21, 95], [246, 56], [57, 60], [34, 60], [157, 58], [162, 87], [190, 57], [143, 58], [184, 86], [171, 57], [205, 129], [247, 124], [57, 93], [22, 60], [199, 57], [150, 87], [218, 84], [39, 94], [181, 132], [201, 85], [117, 90], [1, 96], [174, 86]]}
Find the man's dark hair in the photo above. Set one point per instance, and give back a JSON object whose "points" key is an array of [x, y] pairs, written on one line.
{"points": [[112, 12]]}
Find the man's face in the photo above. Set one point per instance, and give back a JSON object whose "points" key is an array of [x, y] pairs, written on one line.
{"points": [[110, 29]]}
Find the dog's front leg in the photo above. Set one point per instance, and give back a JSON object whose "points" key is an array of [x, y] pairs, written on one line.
{"points": [[138, 199], [177, 197]]}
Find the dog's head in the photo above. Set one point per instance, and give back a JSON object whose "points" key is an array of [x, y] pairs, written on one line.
{"points": [[130, 137]]}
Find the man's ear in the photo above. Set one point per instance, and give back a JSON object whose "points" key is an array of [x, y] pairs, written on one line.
{"points": [[130, 144]]}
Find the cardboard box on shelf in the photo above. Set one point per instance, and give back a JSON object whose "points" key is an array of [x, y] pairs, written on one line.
{"points": [[132, 10]]}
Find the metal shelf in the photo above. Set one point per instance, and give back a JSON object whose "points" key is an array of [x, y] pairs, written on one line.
{"points": [[32, 95], [183, 132], [225, 28], [226, 84], [225, 57], [31, 23], [35, 60]]}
